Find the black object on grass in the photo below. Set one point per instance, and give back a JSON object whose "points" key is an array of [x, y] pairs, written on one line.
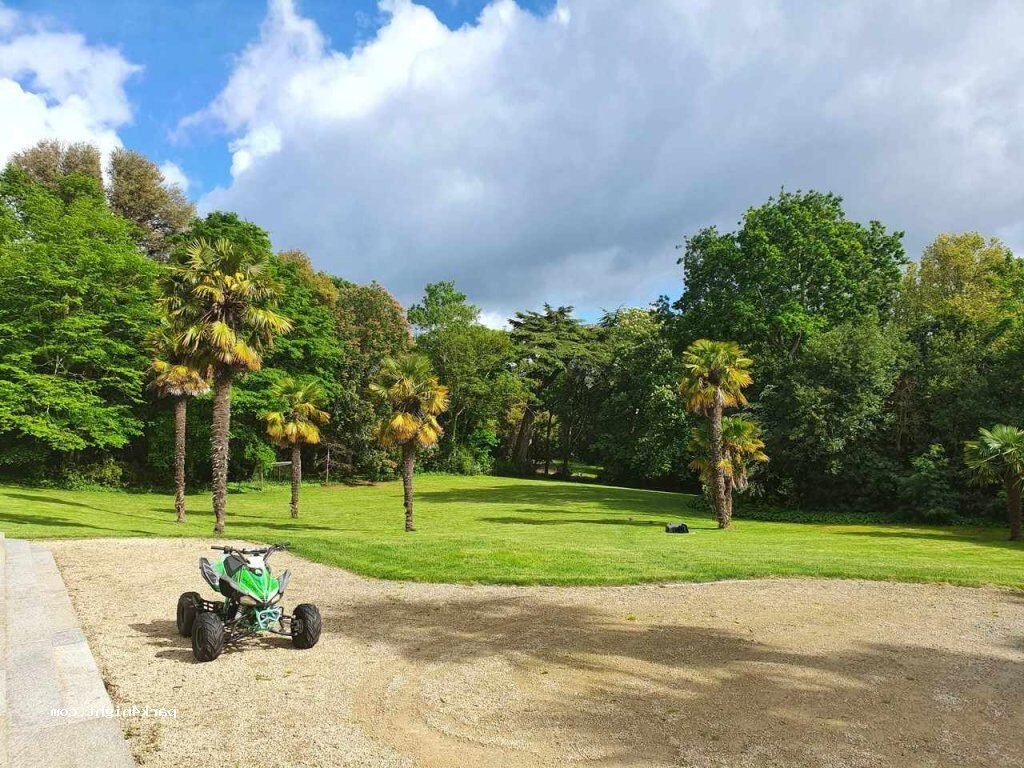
{"points": [[677, 528]]}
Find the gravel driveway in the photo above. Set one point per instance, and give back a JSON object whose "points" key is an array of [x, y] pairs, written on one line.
{"points": [[738, 674]]}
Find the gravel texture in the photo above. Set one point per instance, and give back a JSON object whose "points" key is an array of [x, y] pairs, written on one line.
{"points": [[738, 674]]}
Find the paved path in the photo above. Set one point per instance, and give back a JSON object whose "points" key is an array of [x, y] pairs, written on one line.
{"points": [[50, 687]]}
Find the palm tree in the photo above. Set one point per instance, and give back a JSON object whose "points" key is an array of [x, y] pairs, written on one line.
{"points": [[223, 302], [742, 446], [714, 375], [297, 425], [174, 377], [997, 456], [414, 397]]}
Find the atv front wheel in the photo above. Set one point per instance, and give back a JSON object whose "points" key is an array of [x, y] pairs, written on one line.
{"points": [[188, 606], [305, 626], [207, 636]]}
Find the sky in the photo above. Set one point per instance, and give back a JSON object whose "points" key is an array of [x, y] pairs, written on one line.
{"points": [[553, 151]]}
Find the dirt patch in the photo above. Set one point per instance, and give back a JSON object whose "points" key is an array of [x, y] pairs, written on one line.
{"points": [[738, 674]]}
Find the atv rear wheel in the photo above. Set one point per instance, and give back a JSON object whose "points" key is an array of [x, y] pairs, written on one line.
{"points": [[189, 604], [207, 636], [305, 626]]}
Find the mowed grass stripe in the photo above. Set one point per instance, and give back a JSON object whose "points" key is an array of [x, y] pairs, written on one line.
{"points": [[506, 530]]}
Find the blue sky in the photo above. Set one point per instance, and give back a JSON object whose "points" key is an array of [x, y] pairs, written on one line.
{"points": [[187, 48], [547, 151]]}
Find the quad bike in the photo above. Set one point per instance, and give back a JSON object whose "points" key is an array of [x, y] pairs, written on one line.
{"points": [[250, 605]]}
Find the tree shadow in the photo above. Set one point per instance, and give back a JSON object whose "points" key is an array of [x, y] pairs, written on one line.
{"points": [[570, 520], [52, 520], [953, 534], [545, 493], [680, 694], [48, 500]]}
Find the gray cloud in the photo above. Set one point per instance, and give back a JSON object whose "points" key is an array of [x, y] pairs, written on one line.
{"points": [[560, 158]]}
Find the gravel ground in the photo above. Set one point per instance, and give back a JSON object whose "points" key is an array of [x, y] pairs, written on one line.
{"points": [[737, 674]]}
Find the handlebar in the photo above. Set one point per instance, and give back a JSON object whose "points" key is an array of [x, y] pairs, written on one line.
{"points": [[261, 551]]}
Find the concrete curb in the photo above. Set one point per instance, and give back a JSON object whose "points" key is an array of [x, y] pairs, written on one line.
{"points": [[54, 695]]}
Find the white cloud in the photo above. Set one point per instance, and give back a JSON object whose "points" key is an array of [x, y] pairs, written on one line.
{"points": [[56, 85], [173, 174], [560, 157], [495, 320]]}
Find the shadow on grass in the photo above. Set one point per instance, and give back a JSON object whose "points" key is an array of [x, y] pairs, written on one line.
{"points": [[571, 520], [953, 535], [644, 694], [543, 492], [552, 494], [48, 500], [51, 521], [242, 521]]}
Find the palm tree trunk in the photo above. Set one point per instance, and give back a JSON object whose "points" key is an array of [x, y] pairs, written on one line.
{"points": [[296, 477], [717, 473], [1013, 488], [180, 420], [408, 464], [220, 443]]}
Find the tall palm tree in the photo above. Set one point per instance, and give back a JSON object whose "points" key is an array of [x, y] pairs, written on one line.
{"points": [[414, 397], [174, 377], [742, 447], [714, 375], [297, 425], [997, 456], [222, 301]]}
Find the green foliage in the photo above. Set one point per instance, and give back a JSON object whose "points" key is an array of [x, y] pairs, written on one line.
{"points": [[927, 492], [641, 422], [796, 267], [476, 364], [139, 194], [371, 327], [77, 302], [443, 305], [826, 416]]}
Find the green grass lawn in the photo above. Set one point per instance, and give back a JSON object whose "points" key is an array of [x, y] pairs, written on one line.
{"points": [[503, 530]]}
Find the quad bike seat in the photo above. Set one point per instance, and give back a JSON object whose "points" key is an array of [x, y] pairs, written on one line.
{"points": [[232, 564]]}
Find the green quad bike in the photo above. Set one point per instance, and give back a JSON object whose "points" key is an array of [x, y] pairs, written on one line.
{"points": [[250, 604]]}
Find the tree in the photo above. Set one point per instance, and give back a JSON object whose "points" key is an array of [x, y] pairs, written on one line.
{"points": [[414, 398], [742, 447], [715, 374], [443, 306], [139, 193], [547, 344], [297, 425], [998, 456], [476, 364], [174, 377], [224, 305], [797, 266], [312, 351], [639, 418], [829, 419], [371, 327], [49, 162], [77, 302]]}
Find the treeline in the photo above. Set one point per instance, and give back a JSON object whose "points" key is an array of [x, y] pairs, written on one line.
{"points": [[870, 372]]}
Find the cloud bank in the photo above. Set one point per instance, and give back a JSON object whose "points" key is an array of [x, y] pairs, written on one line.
{"points": [[57, 85], [560, 157]]}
